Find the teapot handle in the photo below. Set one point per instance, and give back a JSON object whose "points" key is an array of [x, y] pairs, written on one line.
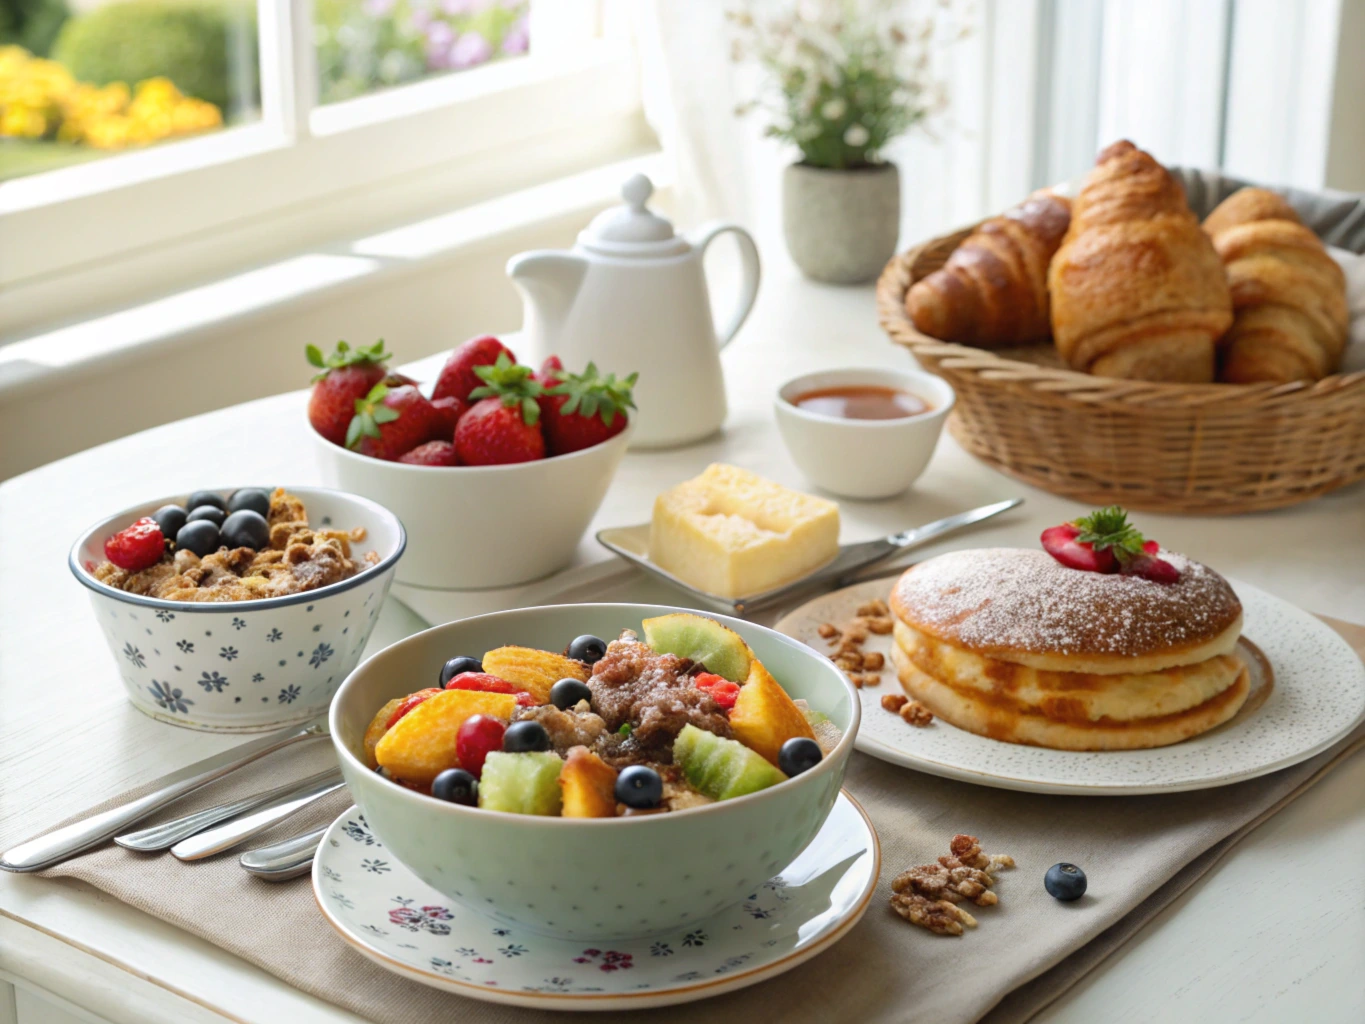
{"points": [[748, 253]]}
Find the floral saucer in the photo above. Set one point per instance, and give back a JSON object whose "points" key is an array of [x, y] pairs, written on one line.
{"points": [[382, 909]]}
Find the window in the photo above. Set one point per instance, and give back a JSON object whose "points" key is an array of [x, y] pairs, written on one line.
{"points": [[299, 122]]}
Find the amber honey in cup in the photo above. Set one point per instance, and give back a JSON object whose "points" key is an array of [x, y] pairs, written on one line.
{"points": [[861, 402]]}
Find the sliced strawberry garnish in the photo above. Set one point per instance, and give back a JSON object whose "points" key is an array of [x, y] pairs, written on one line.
{"points": [[1106, 542], [486, 683], [722, 690], [1060, 542], [410, 702]]}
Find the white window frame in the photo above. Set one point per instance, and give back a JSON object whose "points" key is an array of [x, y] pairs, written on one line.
{"points": [[92, 236]]}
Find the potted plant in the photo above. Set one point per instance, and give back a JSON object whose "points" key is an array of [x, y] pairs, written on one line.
{"points": [[845, 78]]}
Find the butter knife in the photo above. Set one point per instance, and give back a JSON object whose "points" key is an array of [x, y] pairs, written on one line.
{"points": [[628, 543], [239, 830], [70, 840]]}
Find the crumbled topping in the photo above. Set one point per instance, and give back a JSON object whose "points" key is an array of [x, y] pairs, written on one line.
{"points": [[916, 714]]}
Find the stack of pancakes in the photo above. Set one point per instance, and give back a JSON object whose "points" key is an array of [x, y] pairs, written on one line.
{"points": [[1011, 644]]}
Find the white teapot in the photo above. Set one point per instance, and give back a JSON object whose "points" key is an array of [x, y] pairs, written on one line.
{"points": [[631, 296]]}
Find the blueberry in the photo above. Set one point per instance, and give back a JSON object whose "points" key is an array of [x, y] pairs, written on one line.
{"points": [[170, 518], [588, 649], [1064, 882], [216, 516], [799, 754], [200, 498], [522, 737], [568, 692], [246, 528], [254, 498], [200, 536], [456, 786], [639, 787], [455, 666]]}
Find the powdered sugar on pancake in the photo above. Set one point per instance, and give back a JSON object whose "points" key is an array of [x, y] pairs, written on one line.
{"points": [[1023, 599]]}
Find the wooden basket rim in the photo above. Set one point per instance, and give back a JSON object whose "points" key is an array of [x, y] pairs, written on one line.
{"points": [[896, 279]]}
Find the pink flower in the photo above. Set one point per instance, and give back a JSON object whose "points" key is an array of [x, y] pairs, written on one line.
{"points": [[470, 49], [518, 38]]}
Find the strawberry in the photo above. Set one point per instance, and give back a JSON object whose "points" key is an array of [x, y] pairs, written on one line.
{"points": [[486, 683], [433, 453], [504, 425], [390, 421], [138, 547], [722, 691], [347, 375], [550, 372], [1106, 542], [448, 411], [586, 409], [458, 377]]}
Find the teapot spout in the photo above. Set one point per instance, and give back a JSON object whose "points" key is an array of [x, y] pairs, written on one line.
{"points": [[548, 281]]}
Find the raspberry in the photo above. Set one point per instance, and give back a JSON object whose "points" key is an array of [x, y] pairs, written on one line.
{"points": [[138, 547], [722, 691]]}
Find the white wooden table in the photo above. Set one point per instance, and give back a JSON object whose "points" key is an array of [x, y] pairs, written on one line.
{"points": [[1253, 941]]}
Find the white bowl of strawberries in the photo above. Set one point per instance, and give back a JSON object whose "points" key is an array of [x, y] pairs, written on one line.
{"points": [[496, 474]]}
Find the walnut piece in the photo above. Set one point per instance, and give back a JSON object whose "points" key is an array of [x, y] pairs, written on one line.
{"points": [[875, 608], [939, 916], [827, 631], [871, 679], [916, 714], [855, 632], [893, 702], [881, 624], [874, 661], [927, 895]]}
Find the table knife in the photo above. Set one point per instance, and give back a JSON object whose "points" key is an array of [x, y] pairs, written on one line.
{"points": [[79, 836], [225, 837]]}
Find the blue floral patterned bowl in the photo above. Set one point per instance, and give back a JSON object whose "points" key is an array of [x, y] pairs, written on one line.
{"points": [[245, 666], [578, 877]]}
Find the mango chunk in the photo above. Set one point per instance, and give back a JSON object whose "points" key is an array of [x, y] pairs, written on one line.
{"points": [[421, 744], [534, 671], [374, 732], [764, 717], [588, 785]]}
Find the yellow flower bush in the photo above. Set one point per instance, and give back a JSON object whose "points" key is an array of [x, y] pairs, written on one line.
{"points": [[40, 99]]}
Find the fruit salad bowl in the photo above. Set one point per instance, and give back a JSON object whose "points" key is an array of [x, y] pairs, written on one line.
{"points": [[244, 665], [471, 527], [583, 877]]}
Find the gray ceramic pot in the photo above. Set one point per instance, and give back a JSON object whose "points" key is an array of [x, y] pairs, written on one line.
{"points": [[841, 226]]}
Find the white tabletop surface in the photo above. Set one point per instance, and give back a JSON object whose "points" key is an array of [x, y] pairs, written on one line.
{"points": [[1274, 933]]}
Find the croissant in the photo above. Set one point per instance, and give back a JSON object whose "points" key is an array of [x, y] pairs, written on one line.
{"points": [[1137, 289], [993, 289], [1291, 320]]}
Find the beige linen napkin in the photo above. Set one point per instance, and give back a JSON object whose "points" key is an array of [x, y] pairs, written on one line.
{"points": [[1140, 854]]}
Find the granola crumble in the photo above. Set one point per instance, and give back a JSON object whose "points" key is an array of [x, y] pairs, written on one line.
{"points": [[916, 714], [928, 895]]}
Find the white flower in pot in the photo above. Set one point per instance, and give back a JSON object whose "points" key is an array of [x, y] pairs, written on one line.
{"points": [[845, 78]]}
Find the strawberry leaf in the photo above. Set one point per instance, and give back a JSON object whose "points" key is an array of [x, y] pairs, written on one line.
{"points": [[345, 356], [591, 395], [512, 384], [1109, 529]]}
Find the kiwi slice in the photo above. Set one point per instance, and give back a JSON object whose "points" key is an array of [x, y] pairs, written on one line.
{"points": [[525, 783], [721, 768]]}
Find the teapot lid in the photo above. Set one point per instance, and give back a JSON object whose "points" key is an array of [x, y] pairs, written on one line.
{"points": [[632, 229]]}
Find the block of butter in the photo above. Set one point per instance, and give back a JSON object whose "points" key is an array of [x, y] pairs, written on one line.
{"points": [[732, 533]]}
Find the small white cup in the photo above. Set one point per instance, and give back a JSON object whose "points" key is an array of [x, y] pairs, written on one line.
{"points": [[863, 458]]}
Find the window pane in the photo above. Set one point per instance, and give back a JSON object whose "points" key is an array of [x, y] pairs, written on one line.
{"points": [[81, 79], [365, 45]]}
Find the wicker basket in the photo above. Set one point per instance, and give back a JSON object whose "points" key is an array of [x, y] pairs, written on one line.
{"points": [[1184, 448]]}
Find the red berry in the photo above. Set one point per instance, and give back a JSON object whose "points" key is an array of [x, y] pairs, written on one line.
{"points": [[457, 377], [1060, 542], [410, 702], [433, 453], [493, 434], [347, 375], [448, 413], [138, 547], [391, 421], [1158, 570], [486, 683], [479, 736], [722, 690], [582, 410]]}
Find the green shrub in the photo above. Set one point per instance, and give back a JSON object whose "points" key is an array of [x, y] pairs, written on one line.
{"points": [[32, 24], [206, 47]]}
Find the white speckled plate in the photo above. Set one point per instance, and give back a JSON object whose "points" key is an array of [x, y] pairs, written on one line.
{"points": [[1308, 691], [382, 910]]}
